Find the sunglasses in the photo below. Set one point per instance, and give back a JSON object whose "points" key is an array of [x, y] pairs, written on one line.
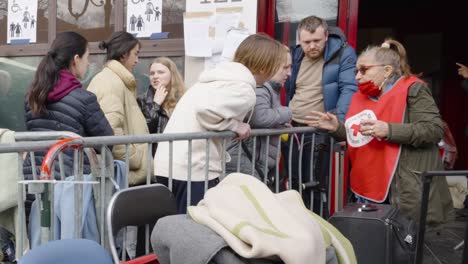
{"points": [[364, 68]]}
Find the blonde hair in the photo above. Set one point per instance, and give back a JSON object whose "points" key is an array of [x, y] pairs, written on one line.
{"points": [[392, 53], [177, 87], [260, 54]]}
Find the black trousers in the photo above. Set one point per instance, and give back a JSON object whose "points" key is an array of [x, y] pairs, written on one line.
{"points": [[179, 189], [314, 167]]}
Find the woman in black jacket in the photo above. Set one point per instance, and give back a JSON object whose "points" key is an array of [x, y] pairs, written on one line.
{"points": [[162, 95], [56, 100]]}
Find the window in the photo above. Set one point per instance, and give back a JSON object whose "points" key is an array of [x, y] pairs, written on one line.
{"points": [[20, 71], [94, 19], [295, 10]]}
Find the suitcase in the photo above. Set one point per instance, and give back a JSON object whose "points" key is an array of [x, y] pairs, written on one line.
{"points": [[378, 233]]}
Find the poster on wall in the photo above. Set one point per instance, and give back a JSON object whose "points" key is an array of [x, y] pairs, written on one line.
{"points": [[144, 18], [22, 21], [222, 17]]}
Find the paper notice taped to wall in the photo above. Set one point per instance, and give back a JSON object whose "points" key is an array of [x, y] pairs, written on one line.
{"points": [[198, 34]]}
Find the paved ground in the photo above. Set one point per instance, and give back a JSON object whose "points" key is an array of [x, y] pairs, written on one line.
{"points": [[439, 248]]}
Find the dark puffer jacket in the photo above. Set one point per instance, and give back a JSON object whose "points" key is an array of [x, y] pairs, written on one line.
{"points": [[77, 112]]}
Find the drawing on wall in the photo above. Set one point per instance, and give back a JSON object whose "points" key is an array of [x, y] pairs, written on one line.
{"points": [[22, 21], [144, 17]]}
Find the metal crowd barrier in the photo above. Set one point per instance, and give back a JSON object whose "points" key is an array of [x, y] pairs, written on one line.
{"points": [[332, 192]]}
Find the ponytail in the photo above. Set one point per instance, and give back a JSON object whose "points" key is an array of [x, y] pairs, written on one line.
{"points": [[60, 56], [46, 76], [398, 48]]}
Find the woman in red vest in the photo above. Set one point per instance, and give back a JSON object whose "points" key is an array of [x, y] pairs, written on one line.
{"points": [[392, 129]]}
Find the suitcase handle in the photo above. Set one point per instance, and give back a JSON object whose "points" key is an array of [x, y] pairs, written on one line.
{"points": [[367, 208]]}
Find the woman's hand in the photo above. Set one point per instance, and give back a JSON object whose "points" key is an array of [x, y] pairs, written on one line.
{"points": [[243, 131], [326, 121], [160, 95], [375, 128]]}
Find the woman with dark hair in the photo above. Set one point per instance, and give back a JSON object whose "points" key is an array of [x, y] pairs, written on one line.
{"points": [[56, 100], [115, 88]]}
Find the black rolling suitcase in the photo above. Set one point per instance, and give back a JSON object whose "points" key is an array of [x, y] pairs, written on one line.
{"points": [[378, 233]]}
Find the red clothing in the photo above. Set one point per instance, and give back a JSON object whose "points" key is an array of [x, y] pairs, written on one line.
{"points": [[374, 161]]}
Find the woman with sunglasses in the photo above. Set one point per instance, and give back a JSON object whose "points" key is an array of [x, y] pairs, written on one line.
{"points": [[392, 128]]}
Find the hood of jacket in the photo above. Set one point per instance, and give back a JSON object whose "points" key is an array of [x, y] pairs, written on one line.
{"points": [[228, 71], [66, 83], [274, 85], [336, 40], [124, 74]]}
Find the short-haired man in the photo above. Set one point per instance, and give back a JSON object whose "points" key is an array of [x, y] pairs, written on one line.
{"points": [[323, 79]]}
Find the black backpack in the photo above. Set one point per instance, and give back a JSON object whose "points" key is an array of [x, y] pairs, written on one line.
{"points": [[7, 246]]}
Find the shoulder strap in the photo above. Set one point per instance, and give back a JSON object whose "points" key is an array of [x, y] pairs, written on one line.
{"points": [[249, 156]]}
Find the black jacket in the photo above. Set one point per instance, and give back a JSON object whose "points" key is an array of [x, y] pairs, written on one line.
{"points": [[156, 117], [77, 112]]}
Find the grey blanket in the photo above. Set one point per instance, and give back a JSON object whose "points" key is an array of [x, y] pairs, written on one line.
{"points": [[178, 239]]}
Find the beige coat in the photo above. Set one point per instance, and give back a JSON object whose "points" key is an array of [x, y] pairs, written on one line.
{"points": [[115, 89]]}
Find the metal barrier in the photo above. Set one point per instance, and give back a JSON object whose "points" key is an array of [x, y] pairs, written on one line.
{"points": [[332, 193], [43, 187], [427, 179]]}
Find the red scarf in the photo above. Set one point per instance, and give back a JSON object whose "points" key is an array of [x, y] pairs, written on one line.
{"points": [[374, 162], [66, 83]]}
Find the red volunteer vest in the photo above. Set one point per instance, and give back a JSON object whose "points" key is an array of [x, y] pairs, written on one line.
{"points": [[374, 162]]}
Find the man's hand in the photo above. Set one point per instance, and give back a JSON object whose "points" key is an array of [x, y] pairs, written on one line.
{"points": [[463, 70]]}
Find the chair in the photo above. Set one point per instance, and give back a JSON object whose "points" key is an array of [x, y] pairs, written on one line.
{"points": [[137, 206], [71, 251]]}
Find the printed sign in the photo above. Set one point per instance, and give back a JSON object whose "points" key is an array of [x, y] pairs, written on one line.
{"points": [[353, 125], [22, 21], [144, 17]]}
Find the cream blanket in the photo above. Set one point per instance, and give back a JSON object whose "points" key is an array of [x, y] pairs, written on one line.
{"points": [[257, 223], [9, 174], [9, 213]]}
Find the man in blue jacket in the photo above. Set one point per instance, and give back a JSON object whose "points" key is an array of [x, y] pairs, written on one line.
{"points": [[323, 79]]}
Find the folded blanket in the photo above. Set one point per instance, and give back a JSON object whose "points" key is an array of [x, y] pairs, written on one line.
{"points": [[257, 223]]}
